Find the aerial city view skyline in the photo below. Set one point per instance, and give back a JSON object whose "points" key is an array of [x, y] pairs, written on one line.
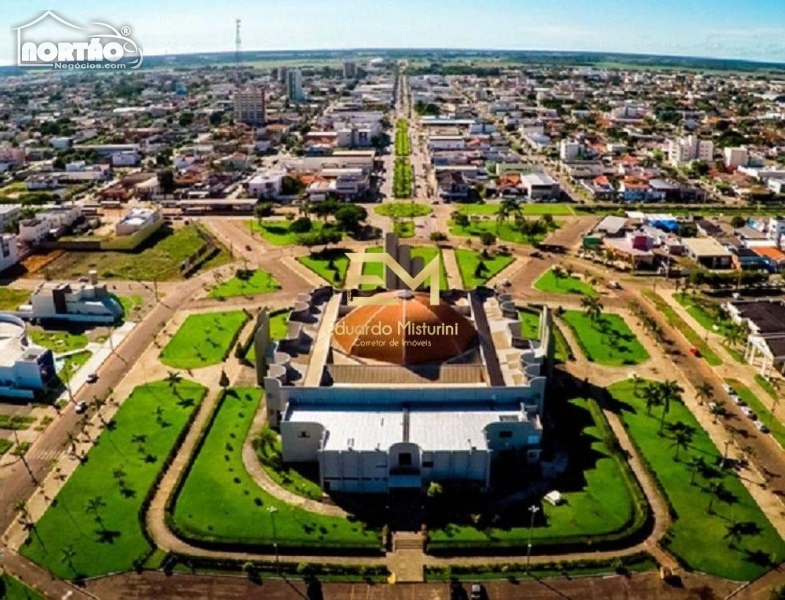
{"points": [[402, 301]]}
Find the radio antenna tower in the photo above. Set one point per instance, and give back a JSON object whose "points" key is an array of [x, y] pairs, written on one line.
{"points": [[238, 53]]}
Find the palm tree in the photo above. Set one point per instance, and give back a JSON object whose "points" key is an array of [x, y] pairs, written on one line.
{"points": [[224, 381], [507, 208], [592, 308], [734, 530], [94, 506], [670, 391], [734, 335], [717, 409], [119, 476], [716, 489], [704, 392], [141, 439], [682, 438], [637, 382], [67, 556], [696, 465], [652, 396]]}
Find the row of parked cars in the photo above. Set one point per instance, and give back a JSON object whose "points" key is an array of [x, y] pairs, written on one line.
{"points": [[746, 410]]}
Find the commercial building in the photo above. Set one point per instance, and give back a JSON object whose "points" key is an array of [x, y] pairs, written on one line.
{"points": [[765, 321], [24, 367], [349, 69], [250, 106], [85, 301], [394, 397], [294, 85], [736, 157], [540, 186], [266, 184], [708, 253], [136, 220], [682, 150]]}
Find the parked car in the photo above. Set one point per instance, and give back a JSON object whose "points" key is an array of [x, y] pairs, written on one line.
{"points": [[80, 408], [728, 389], [695, 352], [478, 592], [92, 378], [761, 426], [737, 400], [749, 413]]}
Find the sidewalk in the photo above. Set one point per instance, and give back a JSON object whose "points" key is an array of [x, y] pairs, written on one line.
{"points": [[454, 280]]}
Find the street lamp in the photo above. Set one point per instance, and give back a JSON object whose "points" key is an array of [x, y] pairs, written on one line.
{"points": [[725, 453], [272, 510], [533, 510]]}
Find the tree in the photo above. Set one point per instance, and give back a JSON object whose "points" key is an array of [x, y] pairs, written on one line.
{"points": [[94, 506], [734, 530], [652, 396], [734, 335], [460, 219], [717, 409], [291, 186], [185, 119], [704, 392], [173, 379], [592, 308], [507, 208], [637, 382], [301, 225], [716, 489], [682, 438], [487, 238], [263, 209], [696, 465], [67, 556], [350, 216], [166, 181], [224, 381], [670, 391], [435, 490]]}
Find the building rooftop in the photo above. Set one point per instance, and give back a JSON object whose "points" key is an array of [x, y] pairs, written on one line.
{"points": [[705, 247]]}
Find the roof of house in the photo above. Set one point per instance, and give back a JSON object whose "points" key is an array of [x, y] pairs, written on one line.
{"points": [[770, 252], [705, 247], [767, 316]]}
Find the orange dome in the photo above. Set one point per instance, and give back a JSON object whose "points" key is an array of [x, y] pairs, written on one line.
{"points": [[409, 332]]}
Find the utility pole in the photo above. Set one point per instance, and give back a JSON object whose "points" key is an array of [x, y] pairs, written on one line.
{"points": [[533, 510]]}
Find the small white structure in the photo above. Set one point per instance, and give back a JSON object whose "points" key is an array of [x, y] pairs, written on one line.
{"points": [[24, 367], [554, 498], [9, 253], [266, 184], [136, 219], [540, 186]]}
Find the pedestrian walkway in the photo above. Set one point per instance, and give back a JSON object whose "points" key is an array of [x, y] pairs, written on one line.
{"points": [[454, 280]]}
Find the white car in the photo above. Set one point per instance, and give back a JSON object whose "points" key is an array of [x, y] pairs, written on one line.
{"points": [[761, 426], [749, 413], [80, 408], [737, 400], [728, 389]]}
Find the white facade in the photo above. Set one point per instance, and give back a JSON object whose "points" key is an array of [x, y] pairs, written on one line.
{"points": [[24, 367], [33, 231], [136, 219], [736, 157], [9, 253], [540, 186], [682, 150], [569, 150], [125, 159], [294, 85], [266, 184], [9, 214], [85, 302]]}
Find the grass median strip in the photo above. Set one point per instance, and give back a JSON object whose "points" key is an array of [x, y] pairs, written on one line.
{"points": [[607, 340], [681, 325], [764, 414], [203, 339]]}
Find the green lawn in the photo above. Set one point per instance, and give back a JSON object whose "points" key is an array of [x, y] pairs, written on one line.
{"points": [[58, 341], [16, 422], [159, 258], [203, 339], [236, 510], [550, 283], [468, 260], [72, 363], [700, 310], [598, 488], [302, 480], [257, 281], [681, 325], [427, 253], [609, 341], [557, 210], [375, 269], [5, 445], [696, 537], [13, 589], [402, 210], [403, 229], [277, 331], [505, 232], [331, 265], [530, 324], [767, 386], [764, 413], [130, 304], [114, 542], [10, 299], [277, 232]]}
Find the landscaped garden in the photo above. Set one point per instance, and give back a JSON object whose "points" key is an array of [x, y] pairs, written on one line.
{"points": [[605, 339], [57, 340], [688, 332], [507, 231], [279, 232], [72, 363], [13, 589], [246, 283], [237, 511], [403, 229], [278, 325], [427, 253], [530, 324], [559, 281], [94, 525], [10, 299], [602, 498], [158, 259], [203, 339], [478, 267], [402, 210], [712, 317], [403, 178], [402, 143], [300, 479], [557, 210], [131, 304], [764, 413], [331, 265], [717, 527]]}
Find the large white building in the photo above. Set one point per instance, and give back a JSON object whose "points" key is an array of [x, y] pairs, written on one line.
{"points": [[266, 184], [9, 253], [736, 157], [136, 219], [294, 85], [24, 367], [686, 149], [84, 301], [250, 106], [395, 397]]}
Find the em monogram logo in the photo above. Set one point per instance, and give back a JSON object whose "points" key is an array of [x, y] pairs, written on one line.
{"points": [[431, 272]]}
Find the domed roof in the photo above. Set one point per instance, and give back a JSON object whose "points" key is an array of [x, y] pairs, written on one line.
{"points": [[408, 332]]}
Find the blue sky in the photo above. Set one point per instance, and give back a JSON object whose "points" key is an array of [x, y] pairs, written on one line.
{"points": [[751, 29]]}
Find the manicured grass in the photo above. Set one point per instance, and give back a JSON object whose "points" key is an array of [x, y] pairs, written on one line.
{"points": [[767, 386], [608, 341], [300, 479], [402, 142], [468, 261], [403, 210], [530, 324], [680, 324], [159, 259], [505, 232], [236, 510], [155, 411], [550, 283], [58, 341], [700, 310], [403, 229], [130, 304], [428, 253], [13, 589], [5, 445], [597, 487], [10, 299], [257, 281], [403, 178], [277, 232], [557, 210], [203, 339], [763, 412], [375, 269], [16, 422], [697, 538], [331, 265], [72, 363], [277, 331]]}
